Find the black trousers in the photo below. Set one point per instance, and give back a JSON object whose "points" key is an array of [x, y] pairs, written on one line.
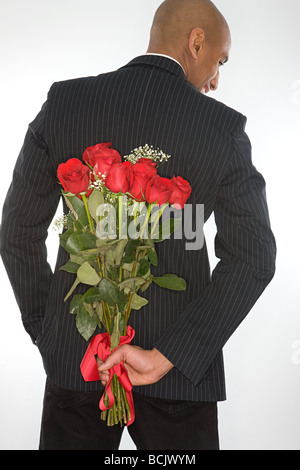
{"points": [[71, 421]]}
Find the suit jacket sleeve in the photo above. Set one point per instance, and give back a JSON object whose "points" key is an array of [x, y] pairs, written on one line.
{"points": [[246, 248], [28, 210]]}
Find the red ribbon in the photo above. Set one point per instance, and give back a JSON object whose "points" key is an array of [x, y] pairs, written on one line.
{"points": [[100, 346]]}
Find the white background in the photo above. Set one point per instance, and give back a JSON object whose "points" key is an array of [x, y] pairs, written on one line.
{"points": [[42, 42]]}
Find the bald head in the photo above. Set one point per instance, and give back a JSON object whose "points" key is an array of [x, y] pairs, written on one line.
{"points": [[184, 29], [175, 19]]}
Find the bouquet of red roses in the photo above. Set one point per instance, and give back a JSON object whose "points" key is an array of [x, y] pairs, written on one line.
{"points": [[115, 220]]}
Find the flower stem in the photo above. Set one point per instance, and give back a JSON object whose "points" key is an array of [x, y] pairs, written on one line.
{"points": [[87, 213], [128, 309], [161, 211], [92, 231], [127, 312], [146, 221], [107, 320], [120, 411]]}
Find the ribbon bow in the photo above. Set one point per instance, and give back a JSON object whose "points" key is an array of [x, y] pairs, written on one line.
{"points": [[100, 346]]}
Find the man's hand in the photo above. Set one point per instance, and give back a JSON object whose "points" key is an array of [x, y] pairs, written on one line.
{"points": [[144, 367]]}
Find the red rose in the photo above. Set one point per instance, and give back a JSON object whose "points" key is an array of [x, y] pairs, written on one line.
{"points": [[101, 157], [74, 176], [181, 192], [117, 179], [158, 190], [139, 175], [146, 161]]}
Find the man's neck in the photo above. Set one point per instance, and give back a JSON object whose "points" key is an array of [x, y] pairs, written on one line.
{"points": [[167, 56]]}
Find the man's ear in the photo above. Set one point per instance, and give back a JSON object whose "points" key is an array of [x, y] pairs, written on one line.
{"points": [[196, 41]]}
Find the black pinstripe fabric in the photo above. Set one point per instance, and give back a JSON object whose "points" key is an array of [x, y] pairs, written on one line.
{"points": [[149, 101]]}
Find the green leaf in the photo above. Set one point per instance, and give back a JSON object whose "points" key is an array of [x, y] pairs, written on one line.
{"points": [[130, 251], [75, 304], [77, 259], [146, 284], [71, 219], [115, 336], [102, 247], [70, 267], [144, 268], [170, 281], [109, 259], [76, 283], [122, 324], [80, 241], [137, 302], [86, 324], [64, 237], [132, 284], [128, 267], [91, 296], [105, 242], [99, 310], [109, 292], [152, 255], [95, 200], [113, 273], [119, 251], [76, 206], [89, 309], [87, 275]]}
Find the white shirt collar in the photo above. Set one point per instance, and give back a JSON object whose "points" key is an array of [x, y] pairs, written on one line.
{"points": [[168, 57]]}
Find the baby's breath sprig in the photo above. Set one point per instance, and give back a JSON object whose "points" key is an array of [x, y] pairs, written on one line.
{"points": [[60, 223], [99, 185], [147, 151], [98, 182]]}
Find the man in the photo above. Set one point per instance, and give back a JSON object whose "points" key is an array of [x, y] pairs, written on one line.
{"points": [[176, 363]]}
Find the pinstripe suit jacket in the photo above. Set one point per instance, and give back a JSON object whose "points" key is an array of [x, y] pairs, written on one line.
{"points": [[147, 101]]}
